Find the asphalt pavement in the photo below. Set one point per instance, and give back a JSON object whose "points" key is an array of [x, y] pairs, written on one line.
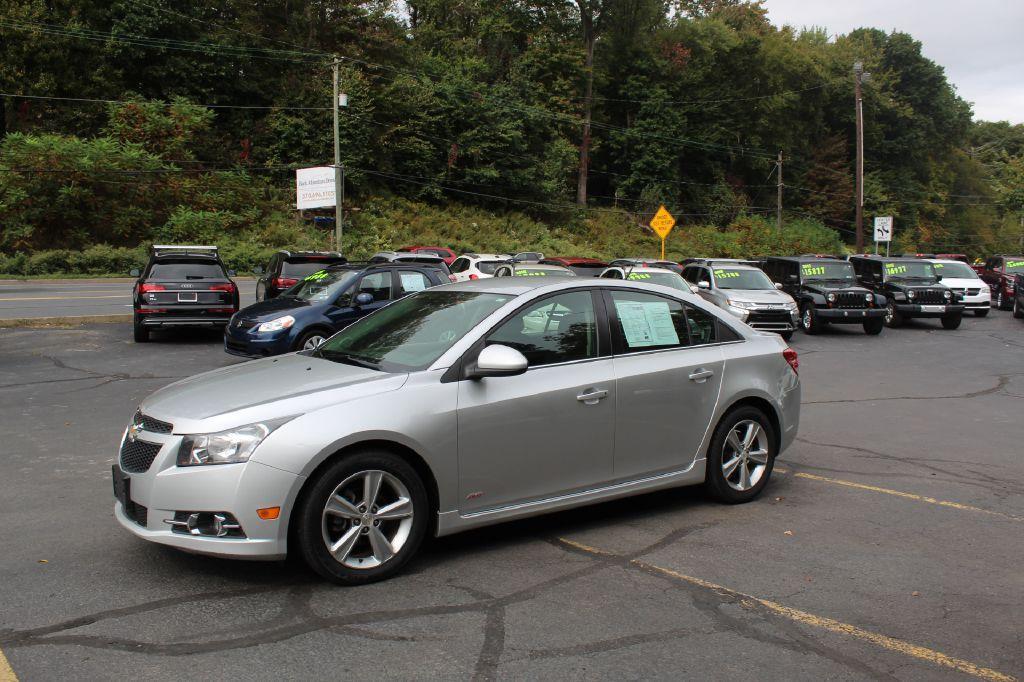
{"points": [[889, 544], [33, 299]]}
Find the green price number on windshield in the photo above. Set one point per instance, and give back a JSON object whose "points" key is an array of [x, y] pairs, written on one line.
{"points": [[893, 269], [938, 266], [317, 276], [531, 273], [726, 274], [638, 275], [814, 269], [1014, 263]]}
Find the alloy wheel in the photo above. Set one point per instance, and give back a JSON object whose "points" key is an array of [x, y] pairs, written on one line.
{"points": [[313, 342], [807, 318], [745, 455], [890, 313], [367, 519]]}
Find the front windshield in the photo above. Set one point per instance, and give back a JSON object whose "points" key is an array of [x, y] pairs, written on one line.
{"points": [[322, 285], [834, 270], [955, 270], [909, 270], [1014, 265], [736, 278], [665, 279], [413, 332]]}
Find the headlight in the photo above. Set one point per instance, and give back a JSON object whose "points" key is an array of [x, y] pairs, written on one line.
{"points": [[911, 294], [226, 447], [742, 304], [947, 294], [832, 298], [276, 324], [868, 297]]}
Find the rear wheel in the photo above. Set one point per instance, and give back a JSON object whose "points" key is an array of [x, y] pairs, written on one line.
{"points": [[363, 518], [981, 313], [261, 291], [741, 456], [874, 326], [1001, 300], [892, 316], [952, 321], [139, 332]]}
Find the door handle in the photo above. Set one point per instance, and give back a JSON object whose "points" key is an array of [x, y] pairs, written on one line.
{"points": [[701, 375], [592, 397]]}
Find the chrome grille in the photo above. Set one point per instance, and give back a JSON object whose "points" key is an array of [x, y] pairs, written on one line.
{"points": [[152, 425], [138, 455]]}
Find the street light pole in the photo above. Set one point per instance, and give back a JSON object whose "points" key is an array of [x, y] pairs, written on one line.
{"points": [[339, 173]]}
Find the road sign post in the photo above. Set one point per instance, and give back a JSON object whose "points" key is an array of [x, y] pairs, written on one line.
{"points": [[883, 232], [662, 223]]}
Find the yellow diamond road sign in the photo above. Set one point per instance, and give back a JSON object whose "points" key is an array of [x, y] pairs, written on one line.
{"points": [[662, 222]]}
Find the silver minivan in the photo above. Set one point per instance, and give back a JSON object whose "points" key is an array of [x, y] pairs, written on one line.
{"points": [[457, 407]]}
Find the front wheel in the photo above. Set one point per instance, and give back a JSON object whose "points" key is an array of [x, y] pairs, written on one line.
{"points": [[952, 321], [311, 340], [741, 456], [809, 319], [874, 326], [363, 518], [1001, 300], [1018, 312], [892, 316]]}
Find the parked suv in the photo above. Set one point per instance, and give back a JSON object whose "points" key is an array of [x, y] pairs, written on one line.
{"points": [[444, 252], [826, 292], [1018, 297], [962, 279], [998, 273], [321, 304], [747, 293], [182, 286], [286, 268], [911, 289]]}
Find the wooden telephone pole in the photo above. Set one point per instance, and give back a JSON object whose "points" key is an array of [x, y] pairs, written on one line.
{"points": [[778, 200], [858, 78]]}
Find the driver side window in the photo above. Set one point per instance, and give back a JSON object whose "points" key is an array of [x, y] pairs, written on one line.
{"points": [[557, 329], [377, 285]]}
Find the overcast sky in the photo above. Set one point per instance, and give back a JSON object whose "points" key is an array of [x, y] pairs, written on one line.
{"points": [[979, 42]]}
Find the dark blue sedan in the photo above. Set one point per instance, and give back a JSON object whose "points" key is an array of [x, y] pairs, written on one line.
{"points": [[321, 304]]}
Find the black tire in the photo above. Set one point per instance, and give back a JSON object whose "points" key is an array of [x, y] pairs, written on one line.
{"points": [[311, 334], [139, 332], [809, 321], [309, 528], [1001, 303], [715, 482], [952, 321], [981, 313], [874, 326], [786, 336], [893, 319], [1018, 312]]}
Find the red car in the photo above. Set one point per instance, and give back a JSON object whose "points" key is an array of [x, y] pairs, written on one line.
{"points": [[583, 267], [998, 273], [447, 254]]}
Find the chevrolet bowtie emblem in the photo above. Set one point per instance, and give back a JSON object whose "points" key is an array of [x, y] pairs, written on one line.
{"points": [[133, 432]]}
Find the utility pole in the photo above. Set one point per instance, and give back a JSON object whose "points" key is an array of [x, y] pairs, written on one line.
{"points": [[339, 173], [859, 77], [778, 201]]}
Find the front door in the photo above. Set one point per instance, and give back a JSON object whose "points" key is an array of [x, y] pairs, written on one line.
{"points": [[546, 432], [668, 373], [346, 311]]}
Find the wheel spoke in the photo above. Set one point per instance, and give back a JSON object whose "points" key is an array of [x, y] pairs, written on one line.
{"points": [[728, 468], [382, 550], [758, 456], [399, 509], [744, 481], [371, 487], [343, 547], [753, 429], [734, 441], [339, 506]]}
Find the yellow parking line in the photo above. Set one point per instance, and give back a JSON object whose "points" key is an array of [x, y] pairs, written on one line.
{"points": [[63, 298], [796, 615], [6, 671], [909, 496]]}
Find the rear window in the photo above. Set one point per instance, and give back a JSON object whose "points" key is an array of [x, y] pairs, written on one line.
{"points": [[489, 266], [299, 268], [186, 269], [588, 269]]}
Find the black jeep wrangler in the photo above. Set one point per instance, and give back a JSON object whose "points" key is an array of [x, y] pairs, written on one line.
{"points": [[911, 289], [827, 292]]}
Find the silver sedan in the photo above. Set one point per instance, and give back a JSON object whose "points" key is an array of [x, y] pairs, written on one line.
{"points": [[457, 407]]}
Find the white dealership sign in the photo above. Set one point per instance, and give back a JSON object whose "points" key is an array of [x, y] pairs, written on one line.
{"points": [[883, 229], [314, 187]]}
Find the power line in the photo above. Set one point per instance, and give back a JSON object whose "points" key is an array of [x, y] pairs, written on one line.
{"points": [[165, 104], [709, 101]]}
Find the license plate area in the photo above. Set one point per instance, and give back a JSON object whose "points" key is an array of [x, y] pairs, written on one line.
{"points": [[933, 309], [188, 297], [122, 486]]}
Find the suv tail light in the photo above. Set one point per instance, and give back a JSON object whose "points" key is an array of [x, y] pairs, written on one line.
{"points": [[792, 359], [474, 277], [146, 288], [229, 287], [284, 282]]}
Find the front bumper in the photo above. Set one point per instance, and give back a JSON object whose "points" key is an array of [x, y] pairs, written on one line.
{"points": [[849, 315], [239, 489], [921, 310], [979, 302], [244, 342], [772, 320]]}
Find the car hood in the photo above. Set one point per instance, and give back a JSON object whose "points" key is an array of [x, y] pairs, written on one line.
{"points": [[962, 283], [757, 295], [829, 287], [265, 389], [276, 307]]}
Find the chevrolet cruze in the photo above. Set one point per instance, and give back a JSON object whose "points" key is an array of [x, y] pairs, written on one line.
{"points": [[416, 420]]}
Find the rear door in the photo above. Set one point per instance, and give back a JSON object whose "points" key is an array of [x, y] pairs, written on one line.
{"points": [[668, 374]]}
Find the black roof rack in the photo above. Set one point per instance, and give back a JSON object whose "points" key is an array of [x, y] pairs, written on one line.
{"points": [[159, 250]]}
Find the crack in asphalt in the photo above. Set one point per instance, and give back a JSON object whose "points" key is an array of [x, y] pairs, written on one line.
{"points": [[91, 375], [1003, 381]]}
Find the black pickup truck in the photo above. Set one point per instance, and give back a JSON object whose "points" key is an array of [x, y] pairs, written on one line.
{"points": [[911, 288]]}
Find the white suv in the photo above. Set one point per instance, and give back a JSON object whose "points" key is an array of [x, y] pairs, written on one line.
{"points": [[476, 266], [961, 278]]}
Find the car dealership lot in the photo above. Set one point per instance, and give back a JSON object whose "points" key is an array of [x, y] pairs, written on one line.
{"points": [[887, 545]]}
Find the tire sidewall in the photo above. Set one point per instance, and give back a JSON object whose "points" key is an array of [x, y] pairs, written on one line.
{"points": [[309, 517], [301, 343], [874, 326], [714, 481]]}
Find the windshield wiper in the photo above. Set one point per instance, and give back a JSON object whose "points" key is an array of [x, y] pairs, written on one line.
{"points": [[346, 358]]}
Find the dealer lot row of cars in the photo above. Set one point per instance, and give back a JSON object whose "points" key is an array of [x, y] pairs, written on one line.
{"points": [[349, 449]]}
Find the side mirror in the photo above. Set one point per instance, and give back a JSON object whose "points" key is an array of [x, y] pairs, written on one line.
{"points": [[497, 361], [258, 270], [364, 299], [703, 285], [778, 285], [134, 272]]}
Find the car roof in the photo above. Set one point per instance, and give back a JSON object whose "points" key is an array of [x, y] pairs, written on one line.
{"points": [[807, 259], [310, 254], [388, 265], [518, 286], [740, 266], [892, 259], [485, 256]]}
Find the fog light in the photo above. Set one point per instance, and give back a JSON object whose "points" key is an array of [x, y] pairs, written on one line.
{"points": [[206, 524]]}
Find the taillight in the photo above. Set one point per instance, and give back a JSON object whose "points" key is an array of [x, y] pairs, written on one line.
{"points": [[146, 288], [223, 287], [792, 359], [474, 277], [284, 282]]}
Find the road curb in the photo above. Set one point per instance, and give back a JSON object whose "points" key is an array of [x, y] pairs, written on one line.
{"points": [[63, 321]]}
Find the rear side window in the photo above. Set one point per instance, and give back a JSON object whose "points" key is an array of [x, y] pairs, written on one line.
{"points": [[186, 270], [647, 322], [413, 281], [298, 269], [703, 326], [460, 264], [488, 266]]}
